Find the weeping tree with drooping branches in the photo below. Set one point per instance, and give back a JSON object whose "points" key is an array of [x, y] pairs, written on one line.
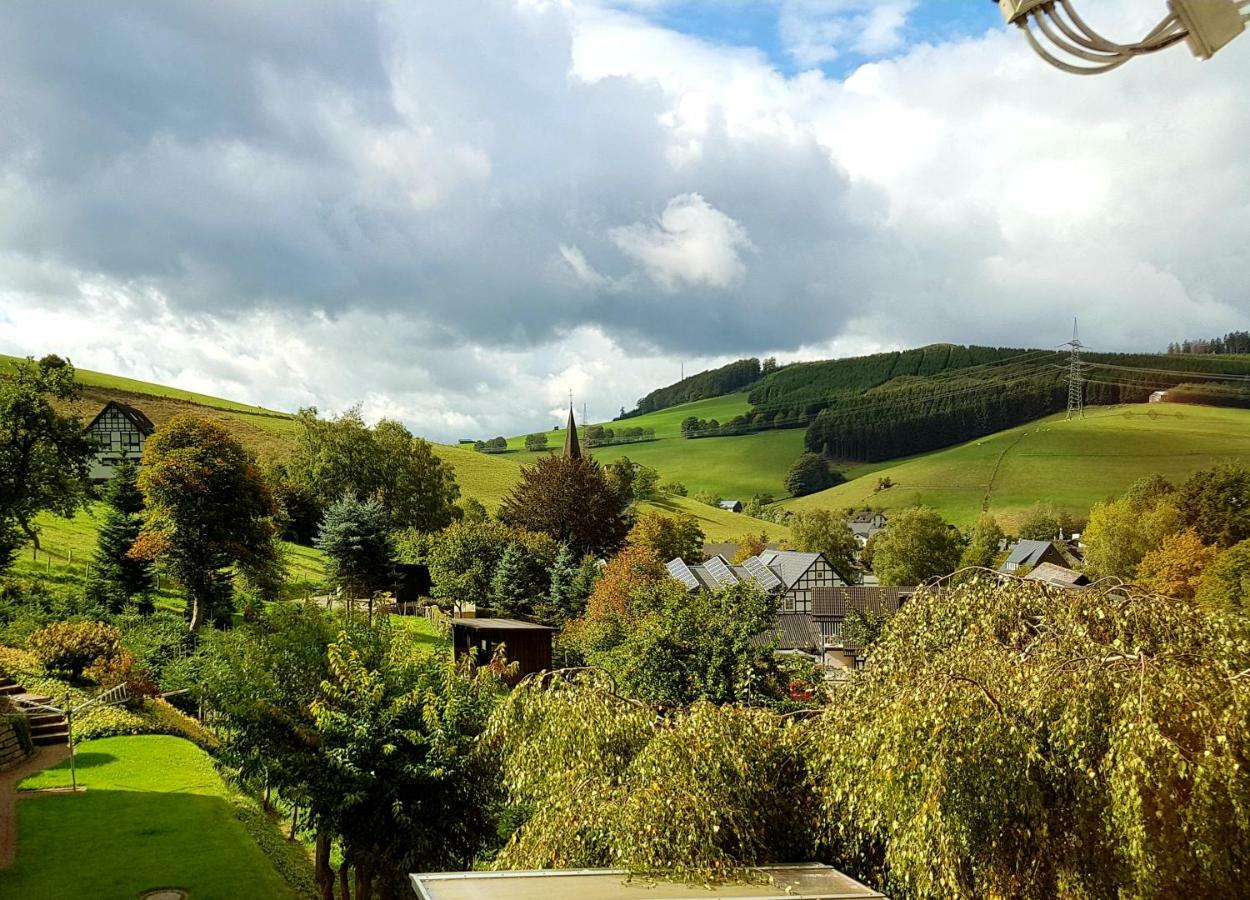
{"points": [[596, 779], [1017, 740]]}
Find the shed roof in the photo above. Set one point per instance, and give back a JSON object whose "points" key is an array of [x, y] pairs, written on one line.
{"points": [[792, 631], [1059, 575], [810, 881], [498, 625]]}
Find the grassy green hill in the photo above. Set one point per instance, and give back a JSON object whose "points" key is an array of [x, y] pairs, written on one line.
{"points": [[733, 467], [1072, 464]]}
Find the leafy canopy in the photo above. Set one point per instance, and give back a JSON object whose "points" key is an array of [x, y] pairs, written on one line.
{"points": [[669, 537], [823, 531], [573, 501], [209, 512], [45, 456], [917, 546]]}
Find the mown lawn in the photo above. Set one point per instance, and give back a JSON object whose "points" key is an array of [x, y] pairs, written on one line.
{"points": [[1072, 464], [718, 525], [155, 814]]}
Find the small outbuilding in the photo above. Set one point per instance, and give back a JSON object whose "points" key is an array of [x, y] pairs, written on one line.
{"points": [[526, 644], [731, 505], [808, 881], [1059, 576]]}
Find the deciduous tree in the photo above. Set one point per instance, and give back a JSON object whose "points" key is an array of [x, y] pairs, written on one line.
{"points": [[1215, 502], [1121, 532], [1176, 568], [573, 501], [45, 456], [669, 537], [810, 473], [823, 531], [1226, 582], [917, 546], [209, 513], [984, 542]]}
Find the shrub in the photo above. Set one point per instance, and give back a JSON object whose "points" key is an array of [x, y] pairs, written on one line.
{"points": [[810, 473], [70, 647], [109, 672], [153, 717]]}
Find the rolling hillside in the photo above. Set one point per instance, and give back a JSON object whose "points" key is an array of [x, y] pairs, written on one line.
{"points": [[1072, 464]]}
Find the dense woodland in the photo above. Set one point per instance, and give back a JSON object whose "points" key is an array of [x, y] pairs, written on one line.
{"points": [[1233, 342], [712, 383]]}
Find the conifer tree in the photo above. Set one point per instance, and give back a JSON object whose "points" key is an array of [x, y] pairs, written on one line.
{"points": [[567, 597], [508, 593], [117, 577]]}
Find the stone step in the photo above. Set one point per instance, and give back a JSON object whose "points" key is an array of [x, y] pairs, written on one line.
{"points": [[11, 688], [44, 718], [46, 727], [51, 738], [31, 698]]}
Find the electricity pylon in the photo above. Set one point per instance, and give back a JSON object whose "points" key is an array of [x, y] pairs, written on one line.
{"points": [[1076, 378]]}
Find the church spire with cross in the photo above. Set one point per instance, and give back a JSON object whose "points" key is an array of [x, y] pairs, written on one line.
{"points": [[572, 447]]}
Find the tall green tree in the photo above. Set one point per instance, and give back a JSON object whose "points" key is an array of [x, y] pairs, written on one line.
{"points": [[210, 514], [1226, 582], [573, 501], [569, 590], [1041, 523], [918, 545], [360, 552], [670, 537], [1121, 532], [343, 455], [1215, 502], [810, 473], [117, 576], [417, 488], [983, 543], [45, 456], [822, 531]]}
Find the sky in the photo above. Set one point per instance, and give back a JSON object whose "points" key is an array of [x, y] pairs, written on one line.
{"points": [[456, 213]]}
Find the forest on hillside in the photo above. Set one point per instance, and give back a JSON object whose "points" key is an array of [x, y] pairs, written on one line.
{"points": [[712, 383]]}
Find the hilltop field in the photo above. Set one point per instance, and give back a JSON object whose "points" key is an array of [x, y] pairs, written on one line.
{"points": [[1072, 464]]}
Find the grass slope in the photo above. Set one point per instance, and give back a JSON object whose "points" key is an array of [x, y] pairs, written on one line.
{"points": [[155, 814], [68, 545], [733, 467], [718, 525], [1072, 464], [666, 422]]}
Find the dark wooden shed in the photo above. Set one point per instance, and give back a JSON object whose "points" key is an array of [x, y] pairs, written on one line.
{"points": [[526, 644]]}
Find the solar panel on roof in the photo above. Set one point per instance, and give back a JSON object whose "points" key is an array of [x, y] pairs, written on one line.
{"points": [[762, 574], [716, 566], [679, 570]]}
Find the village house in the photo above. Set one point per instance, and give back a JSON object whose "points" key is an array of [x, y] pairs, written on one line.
{"points": [[791, 575], [731, 505], [121, 432], [818, 635], [1031, 554], [866, 523]]}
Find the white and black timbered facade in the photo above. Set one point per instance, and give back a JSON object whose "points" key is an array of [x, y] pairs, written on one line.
{"points": [[120, 432]]}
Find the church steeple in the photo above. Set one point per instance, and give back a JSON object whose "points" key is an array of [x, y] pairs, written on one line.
{"points": [[572, 447]]}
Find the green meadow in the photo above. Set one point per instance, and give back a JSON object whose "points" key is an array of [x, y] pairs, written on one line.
{"points": [[1072, 464]]}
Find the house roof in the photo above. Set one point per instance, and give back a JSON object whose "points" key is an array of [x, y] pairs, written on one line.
{"points": [[1027, 553], [730, 504], [134, 414], [789, 565], [865, 517], [792, 631], [805, 881], [498, 625], [836, 602], [1057, 575]]}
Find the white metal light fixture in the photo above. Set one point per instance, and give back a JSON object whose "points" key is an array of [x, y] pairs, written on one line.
{"points": [[1207, 25]]}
